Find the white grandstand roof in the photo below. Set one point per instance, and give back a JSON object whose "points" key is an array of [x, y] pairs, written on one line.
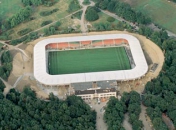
{"points": [[43, 77]]}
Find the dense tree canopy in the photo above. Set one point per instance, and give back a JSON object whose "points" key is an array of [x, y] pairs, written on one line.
{"points": [[17, 18], [132, 101], [173, 0], [160, 93], [114, 114], [6, 67], [32, 2], [91, 15], [25, 111], [115, 110], [2, 86], [123, 10], [73, 6], [38, 2]]}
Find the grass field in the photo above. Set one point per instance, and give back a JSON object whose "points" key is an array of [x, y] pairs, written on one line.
{"points": [[9, 7], [162, 12], [89, 60], [103, 19]]}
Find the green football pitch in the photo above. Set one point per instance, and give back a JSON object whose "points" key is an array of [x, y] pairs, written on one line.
{"points": [[87, 60]]}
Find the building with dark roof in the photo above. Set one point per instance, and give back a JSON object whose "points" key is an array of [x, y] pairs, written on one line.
{"points": [[90, 94]]}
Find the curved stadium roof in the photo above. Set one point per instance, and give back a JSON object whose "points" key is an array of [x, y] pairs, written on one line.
{"points": [[42, 76]]}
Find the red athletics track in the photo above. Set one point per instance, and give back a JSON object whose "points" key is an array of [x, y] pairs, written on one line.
{"points": [[98, 43], [52, 45], [57, 45], [73, 45], [85, 42], [63, 45], [109, 42], [119, 41]]}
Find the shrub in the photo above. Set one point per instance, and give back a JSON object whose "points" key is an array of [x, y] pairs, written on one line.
{"points": [[86, 2], [91, 15], [73, 6], [29, 37], [46, 23], [46, 13], [110, 19], [24, 31], [57, 24], [77, 15]]}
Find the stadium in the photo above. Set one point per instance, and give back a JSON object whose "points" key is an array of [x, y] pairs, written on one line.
{"points": [[81, 59]]}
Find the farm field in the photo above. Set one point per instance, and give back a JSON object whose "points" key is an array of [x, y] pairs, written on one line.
{"points": [[89, 60], [162, 12]]}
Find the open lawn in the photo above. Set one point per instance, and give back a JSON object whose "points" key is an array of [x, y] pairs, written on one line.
{"points": [[87, 60], [162, 12], [9, 7], [103, 19]]}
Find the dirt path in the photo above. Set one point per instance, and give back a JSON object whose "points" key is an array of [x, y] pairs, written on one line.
{"points": [[82, 22], [100, 124], [7, 88], [145, 119], [126, 124]]}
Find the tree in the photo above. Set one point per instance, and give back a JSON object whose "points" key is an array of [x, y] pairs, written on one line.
{"points": [[114, 107], [91, 15], [111, 6], [86, 2], [24, 110], [73, 6], [110, 19], [27, 90], [2, 86]]}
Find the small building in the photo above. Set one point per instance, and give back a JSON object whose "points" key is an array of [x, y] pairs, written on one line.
{"points": [[96, 93], [154, 67]]}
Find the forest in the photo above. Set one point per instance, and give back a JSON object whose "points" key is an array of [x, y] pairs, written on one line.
{"points": [[38, 2], [24, 111], [6, 64], [123, 10], [160, 94], [129, 103]]}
